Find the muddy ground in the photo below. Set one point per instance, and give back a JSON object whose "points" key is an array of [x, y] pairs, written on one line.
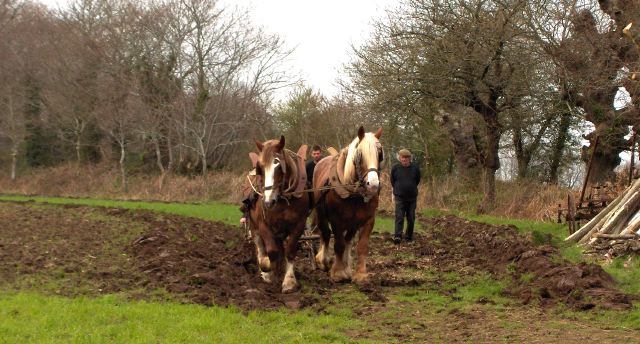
{"points": [[71, 250]]}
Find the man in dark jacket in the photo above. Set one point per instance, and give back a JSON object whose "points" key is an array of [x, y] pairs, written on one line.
{"points": [[405, 178], [316, 154]]}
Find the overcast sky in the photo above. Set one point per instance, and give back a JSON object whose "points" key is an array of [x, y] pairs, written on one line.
{"points": [[320, 31]]}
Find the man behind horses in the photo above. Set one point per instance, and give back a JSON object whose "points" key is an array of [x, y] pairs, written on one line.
{"points": [[316, 154], [405, 178]]}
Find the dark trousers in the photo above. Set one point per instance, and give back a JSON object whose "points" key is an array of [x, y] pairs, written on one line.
{"points": [[405, 208]]}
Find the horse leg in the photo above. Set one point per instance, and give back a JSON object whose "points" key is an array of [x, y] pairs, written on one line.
{"points": [[267, 253], [263, 261], [347, 258], [338, 272], [361, 276], [322, 257], [290, 284], [347, 251]]}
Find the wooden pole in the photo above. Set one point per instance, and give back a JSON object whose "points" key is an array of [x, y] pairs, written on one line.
{"points": [[586, 178], [633, 147]]}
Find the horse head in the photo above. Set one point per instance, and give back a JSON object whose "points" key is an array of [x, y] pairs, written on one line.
{"points": [[366, 156], [272, 167]]}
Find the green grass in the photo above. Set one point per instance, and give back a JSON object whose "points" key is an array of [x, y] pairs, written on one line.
{"points": [[455, 291], [527, 277], [110, 319], [483, 288], [627, 320], [626, 271], [384, 225], [213, 211]]}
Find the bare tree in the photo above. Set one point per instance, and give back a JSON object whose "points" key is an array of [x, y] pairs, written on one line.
{"points": [[468, 53], [12, 124], [11, 119], [228, 66], [70, 91], [20, 55], [586, 42]]}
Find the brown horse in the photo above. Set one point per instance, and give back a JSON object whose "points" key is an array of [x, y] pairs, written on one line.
{"points": [[350, 205], [280, 214]]}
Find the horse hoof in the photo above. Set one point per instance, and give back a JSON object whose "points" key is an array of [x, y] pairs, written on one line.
{"points": [[289, 286], [266, 276], [265, 264], [361, 278], [322, 264], [340, 276]]}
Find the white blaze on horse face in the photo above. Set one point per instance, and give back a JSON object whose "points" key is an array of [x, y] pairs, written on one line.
{"points": [[373, 165], [269, 179], [372, 180]]}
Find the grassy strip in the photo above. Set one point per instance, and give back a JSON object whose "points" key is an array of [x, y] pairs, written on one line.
{"points": [[212, 211], [110, 319]]}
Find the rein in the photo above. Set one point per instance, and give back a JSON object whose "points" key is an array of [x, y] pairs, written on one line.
{"points": [[356, 184], [359, 182]]}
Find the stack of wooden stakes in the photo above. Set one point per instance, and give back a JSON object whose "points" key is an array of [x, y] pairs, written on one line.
{"points": [[616, 227]]}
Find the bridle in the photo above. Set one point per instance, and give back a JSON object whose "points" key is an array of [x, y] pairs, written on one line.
{"points": [[357, 160], [282, 165]]}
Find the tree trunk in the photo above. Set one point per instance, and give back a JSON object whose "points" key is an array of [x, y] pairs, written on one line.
{"points": [[14, 162], [611, 143], [489, 184], [122, 168], [203, 157], [610, 131], [524, 152], [78, 150], [559, 146], [523, 166], [491, 163], [170, 155], [156, 144], [460, 132], [522, 158]]}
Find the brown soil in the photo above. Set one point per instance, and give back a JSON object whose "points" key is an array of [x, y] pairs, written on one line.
{"points": [[86, 250], [538, 272]]}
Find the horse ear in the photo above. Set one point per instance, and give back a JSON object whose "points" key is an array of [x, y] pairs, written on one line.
{"points": [[280, 144], [254, 158], [378, 133], [302, 152], [361, 132], [260, 145]]}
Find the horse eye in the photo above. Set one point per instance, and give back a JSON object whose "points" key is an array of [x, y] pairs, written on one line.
{"points": [[276, 161]]}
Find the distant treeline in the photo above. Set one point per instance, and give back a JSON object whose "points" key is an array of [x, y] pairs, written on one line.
{"points": [[184, 86]]}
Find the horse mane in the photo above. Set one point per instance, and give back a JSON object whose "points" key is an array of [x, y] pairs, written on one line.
{"points": [[267, 151], [369, 150]]}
